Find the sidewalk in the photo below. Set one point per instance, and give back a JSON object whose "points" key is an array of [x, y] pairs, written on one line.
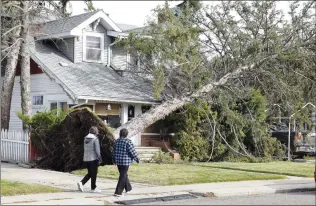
{"points": [[72, 196], [65, 181]]}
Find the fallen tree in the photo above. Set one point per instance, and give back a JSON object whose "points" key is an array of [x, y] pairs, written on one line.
{"points": [[260, 50], [61, 138]]}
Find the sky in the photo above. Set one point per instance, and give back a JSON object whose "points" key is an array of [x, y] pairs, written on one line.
{"points": [[133, 12]]}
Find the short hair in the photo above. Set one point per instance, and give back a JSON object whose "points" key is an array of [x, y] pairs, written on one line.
{"points": [[123, 133], [93, 130]]}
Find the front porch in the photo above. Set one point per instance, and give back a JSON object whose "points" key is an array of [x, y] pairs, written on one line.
{"points": [[115, 114]]}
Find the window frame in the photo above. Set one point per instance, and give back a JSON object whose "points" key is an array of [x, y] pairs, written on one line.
{"points": [[58, 105], [38, 95], [84, 51]]}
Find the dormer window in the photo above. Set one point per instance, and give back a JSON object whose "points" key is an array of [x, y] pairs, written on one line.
{"points": [[93, 47]]}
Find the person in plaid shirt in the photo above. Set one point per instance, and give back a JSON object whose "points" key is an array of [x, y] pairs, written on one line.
{"points": [[124, 154]]}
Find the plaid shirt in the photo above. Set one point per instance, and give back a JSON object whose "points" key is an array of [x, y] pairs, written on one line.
{"points": [[124, 152]]}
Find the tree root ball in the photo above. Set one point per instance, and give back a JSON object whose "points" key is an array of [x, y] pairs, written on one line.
{"points": [[64, 142]]}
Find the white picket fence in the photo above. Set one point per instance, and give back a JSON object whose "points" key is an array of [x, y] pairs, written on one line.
{"points": [[14, 146]]}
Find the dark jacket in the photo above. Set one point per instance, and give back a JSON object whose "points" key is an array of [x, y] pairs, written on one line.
{"points": [[124, 152]]}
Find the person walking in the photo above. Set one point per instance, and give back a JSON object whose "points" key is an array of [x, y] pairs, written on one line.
{"points": [[92, 159], [124, 154]]}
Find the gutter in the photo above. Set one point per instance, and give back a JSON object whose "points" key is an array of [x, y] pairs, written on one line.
{"points": [[78, 105], [117, 100]]}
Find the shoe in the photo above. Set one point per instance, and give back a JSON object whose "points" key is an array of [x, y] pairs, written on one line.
{"points": [[128, 192], [117, 195], [80, 186], [96, 190]]}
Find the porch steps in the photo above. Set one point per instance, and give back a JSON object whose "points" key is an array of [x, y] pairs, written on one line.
{"points": [[146, 153]]}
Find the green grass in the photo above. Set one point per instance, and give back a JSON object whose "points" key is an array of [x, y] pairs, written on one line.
{"points": [[280, 167], [178, 174], [11, 188]]}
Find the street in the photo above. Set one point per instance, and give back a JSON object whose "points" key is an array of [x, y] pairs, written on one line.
{"points": [[303, 198]]}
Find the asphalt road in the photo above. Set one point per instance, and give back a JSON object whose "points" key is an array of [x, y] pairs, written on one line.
{"points": [[303, 198]]}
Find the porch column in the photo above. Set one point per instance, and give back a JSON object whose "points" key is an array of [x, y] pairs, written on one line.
{"points": [[124, 113]]}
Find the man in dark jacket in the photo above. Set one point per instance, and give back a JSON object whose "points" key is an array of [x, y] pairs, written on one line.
{"points": [[92, 159], [124, 155]]}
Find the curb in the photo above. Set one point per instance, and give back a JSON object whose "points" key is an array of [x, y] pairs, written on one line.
{"points": [[252, 191], [310, 189]]}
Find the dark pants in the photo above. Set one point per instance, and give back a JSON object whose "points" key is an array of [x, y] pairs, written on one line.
{"points": [[92, 167], [123, 182]]}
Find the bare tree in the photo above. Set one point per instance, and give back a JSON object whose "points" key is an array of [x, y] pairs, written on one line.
{"points": [[10, 33], [17, 19], [25, 80]]}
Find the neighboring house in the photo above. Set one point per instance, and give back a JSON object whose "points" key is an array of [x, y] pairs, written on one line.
{"points": [[76, 63]]}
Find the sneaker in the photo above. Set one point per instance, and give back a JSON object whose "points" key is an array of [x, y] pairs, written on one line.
{"points": [[117, 195], [128, 192], [96, 191], [80, 186]]}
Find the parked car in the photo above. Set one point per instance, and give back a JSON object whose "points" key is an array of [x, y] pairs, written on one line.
{"points": [[300, 145]]}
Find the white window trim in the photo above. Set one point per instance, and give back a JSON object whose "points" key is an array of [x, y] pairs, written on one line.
{"points": [[58, 104], [37, 95], [101, 35]]}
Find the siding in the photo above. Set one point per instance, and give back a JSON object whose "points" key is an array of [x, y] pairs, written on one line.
{"points": [[41, 84], [78, 49], [119, 57], [79, 43], [66, 46]]}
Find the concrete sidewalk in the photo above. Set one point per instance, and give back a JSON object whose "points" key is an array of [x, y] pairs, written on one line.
{"points": [[65, 181], [72, 196], [215, 189]]}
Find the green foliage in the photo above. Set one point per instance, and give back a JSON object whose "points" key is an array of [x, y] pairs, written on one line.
{"points": [[42, 122], [162, 158], [190, 140], [172, 53], [192, 145], [239, 119]]}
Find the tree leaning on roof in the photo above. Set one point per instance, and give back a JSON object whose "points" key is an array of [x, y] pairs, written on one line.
{"points": [[193, 54]]}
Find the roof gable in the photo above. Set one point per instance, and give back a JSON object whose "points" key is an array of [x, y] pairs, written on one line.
{"points": [[72, 26]]}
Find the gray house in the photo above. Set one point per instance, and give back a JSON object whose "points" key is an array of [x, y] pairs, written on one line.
{"points": [[76, 62]]}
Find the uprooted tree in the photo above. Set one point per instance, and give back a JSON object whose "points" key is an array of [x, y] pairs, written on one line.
{"points": [[232, 45], [60, 138]]}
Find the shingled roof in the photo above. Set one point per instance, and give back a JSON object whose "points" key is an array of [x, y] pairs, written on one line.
{"points": [[91, 80], [66, 24], [73, 25]]}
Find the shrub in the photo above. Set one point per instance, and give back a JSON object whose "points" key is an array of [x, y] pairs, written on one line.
{"points": [[42, 122], [162, 158], [192, 146]]}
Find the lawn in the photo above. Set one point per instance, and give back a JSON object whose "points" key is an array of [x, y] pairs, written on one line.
{"points": [[178, 174], [280, 167], [11, 188]]}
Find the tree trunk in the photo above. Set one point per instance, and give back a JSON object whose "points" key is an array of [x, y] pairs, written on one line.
{"points": [[8, 79], [146, 119], [25, 80]]}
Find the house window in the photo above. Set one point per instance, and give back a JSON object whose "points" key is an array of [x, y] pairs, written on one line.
{"points": [[53, 105], [145, 108], [59, 105], [131, 112], [37, 100], [93, 47]]}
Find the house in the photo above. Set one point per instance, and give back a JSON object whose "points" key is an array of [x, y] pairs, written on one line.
{"points": [[75, 62]]}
